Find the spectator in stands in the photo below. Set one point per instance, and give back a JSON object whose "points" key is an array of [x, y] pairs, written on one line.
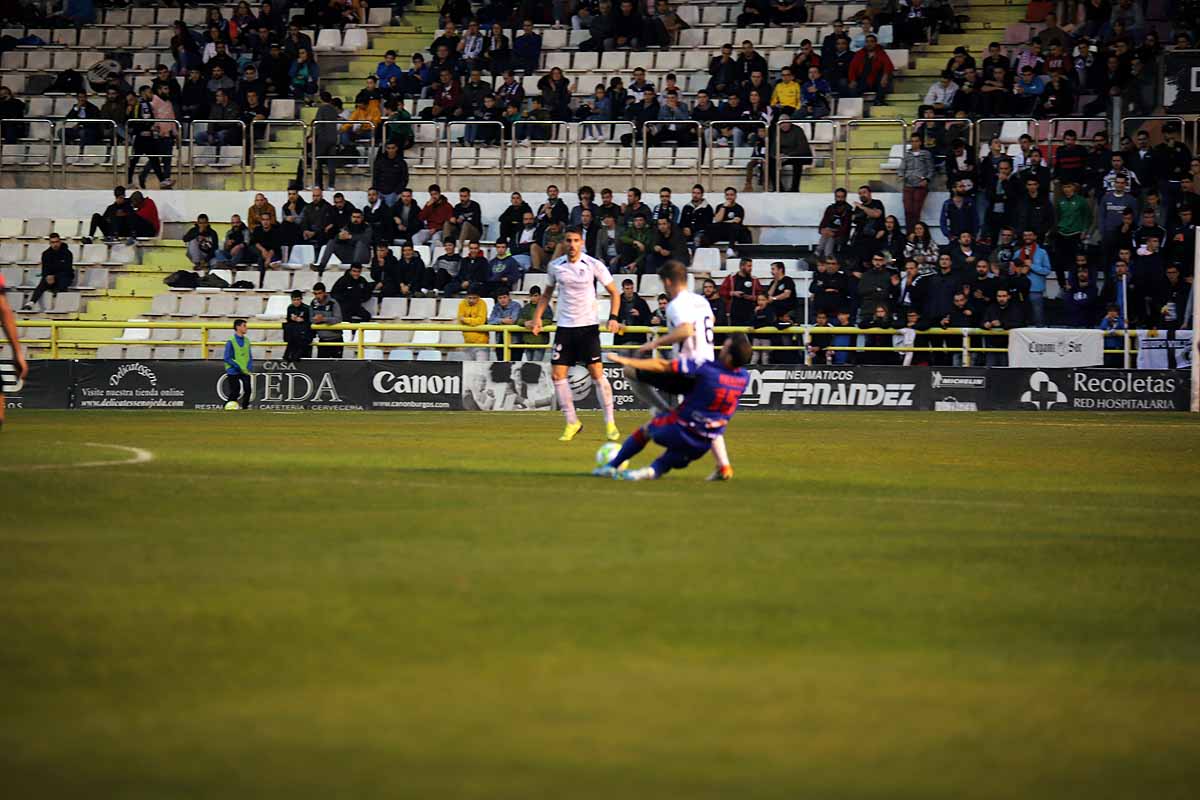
{"points": [[325, 140], [921, 249], [434, 215], [12, 108], [1002, 315], [84, 110], [696, 217], [665, 208], [958, 212], [58, 272], [668, 244], [414, 277], [728, 222], [261, 207], [834, 227], [446, 268], [1037, 259], [353, 292], [512, 219], [352, 245], [1112, 207], [303, 77], [794, 152], [634, 311], [326, 310], [297, 328], [527, 48], [385, 274], [378, 215], [472, 312], [406, 217], [291, 214], [724, 73], [867, 219], [144, 222], [202, 243], [266, 249], [915, 171], [317, 221], [156, 141], [233, 249], [390, 173], [465, 222], [829, 287], [221, 135], [1034, 212], [871, 71], [634, 207], [505, 311], [635, 244], [525, 320], [474, 270], [1081, 301], [740, 291]]}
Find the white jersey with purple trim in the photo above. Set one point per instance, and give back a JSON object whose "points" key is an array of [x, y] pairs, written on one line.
{"points": [[691, 308], [575, 285]]}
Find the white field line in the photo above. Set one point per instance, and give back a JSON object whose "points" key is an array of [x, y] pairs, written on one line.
{"points": [[136, 456]]}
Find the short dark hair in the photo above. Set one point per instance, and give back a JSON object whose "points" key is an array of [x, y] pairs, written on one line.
{"points": [[673, 271], [740, 351], [238, 322]]}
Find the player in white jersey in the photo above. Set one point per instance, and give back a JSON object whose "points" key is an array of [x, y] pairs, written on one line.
{"points": [[9, 326], [577, 336], [690, 319]]}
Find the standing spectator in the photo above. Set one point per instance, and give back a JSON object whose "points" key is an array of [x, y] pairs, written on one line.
{"points": [[829, 288], [1037, 260], [741, 291], [353, 292], [1002, 315], [1034, 211], [58, 271], [958, 212], [834, 227], [794, 152], [325, 140], [506, 311], [1081, 301], [297, 328], [525, 320], [1073, 219], [527, 48], [781, 290], [634, 312], [916, 171], [202, 243], [390, 173]]}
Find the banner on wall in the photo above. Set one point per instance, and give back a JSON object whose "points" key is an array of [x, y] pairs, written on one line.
{"points": [[48, 385], [1181, 81], [1158, 351], [1055, 347], [335, 385]]}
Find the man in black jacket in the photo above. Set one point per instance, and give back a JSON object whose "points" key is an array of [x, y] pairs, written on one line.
{"points": [[351, 244], [58, 271], [1002, 315], [390, 173], [353, 291], [634, 311], [115, 222], [317, 220], [696, 216], [466, 221], [406, 217], [378, 215], [297, 328]]}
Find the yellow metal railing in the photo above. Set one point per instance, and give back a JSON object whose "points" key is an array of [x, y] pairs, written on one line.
{"points": [[506, 342]]}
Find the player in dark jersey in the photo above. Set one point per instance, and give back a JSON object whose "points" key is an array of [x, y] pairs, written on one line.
{"points": [[689, 430], [9, 324]]}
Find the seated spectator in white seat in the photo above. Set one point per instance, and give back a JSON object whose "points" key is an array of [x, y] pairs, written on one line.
{"points": [[351, 244], [524, 240], [58, 271], [265, 248], [202, 243], [504, 271], [608, 243], [446, 268], [504, 312], [353, 291], [234, 249]]}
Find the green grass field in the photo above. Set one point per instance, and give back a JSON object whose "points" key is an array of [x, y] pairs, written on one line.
{"points": [[442, 606]]}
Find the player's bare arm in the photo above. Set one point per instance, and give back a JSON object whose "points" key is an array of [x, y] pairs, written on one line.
{"points": [[642, 364], [680, 333], [9, 323], [543, 303], [614, 308]]}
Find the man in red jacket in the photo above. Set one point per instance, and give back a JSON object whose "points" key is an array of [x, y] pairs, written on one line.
{"points": [[741, 291], [871, 71], [436, 212], [144, 223]]}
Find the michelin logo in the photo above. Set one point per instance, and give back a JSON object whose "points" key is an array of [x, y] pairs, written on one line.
{"points": [[940, 380]]}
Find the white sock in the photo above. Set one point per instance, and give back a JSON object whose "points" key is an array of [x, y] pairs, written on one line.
{"points": [[719, 452], [566, 401], [604, 389]]}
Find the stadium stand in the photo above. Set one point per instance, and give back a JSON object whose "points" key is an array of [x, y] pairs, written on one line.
{"points": [[310, 88]]}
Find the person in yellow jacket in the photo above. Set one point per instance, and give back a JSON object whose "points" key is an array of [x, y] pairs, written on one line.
{"points": [[786, 97], [473, 312], [354, 129]]}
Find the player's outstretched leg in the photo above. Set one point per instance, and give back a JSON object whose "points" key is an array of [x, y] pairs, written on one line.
{"points": [[605, 393], [567, 403], [724, 470], [650, 395]]}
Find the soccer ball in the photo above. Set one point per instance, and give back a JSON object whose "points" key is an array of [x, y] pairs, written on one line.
{"points": [[607, 452], [232, 405]]}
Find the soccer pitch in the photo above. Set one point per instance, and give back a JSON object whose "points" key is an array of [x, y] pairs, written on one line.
{"points": [[442, 605]]}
